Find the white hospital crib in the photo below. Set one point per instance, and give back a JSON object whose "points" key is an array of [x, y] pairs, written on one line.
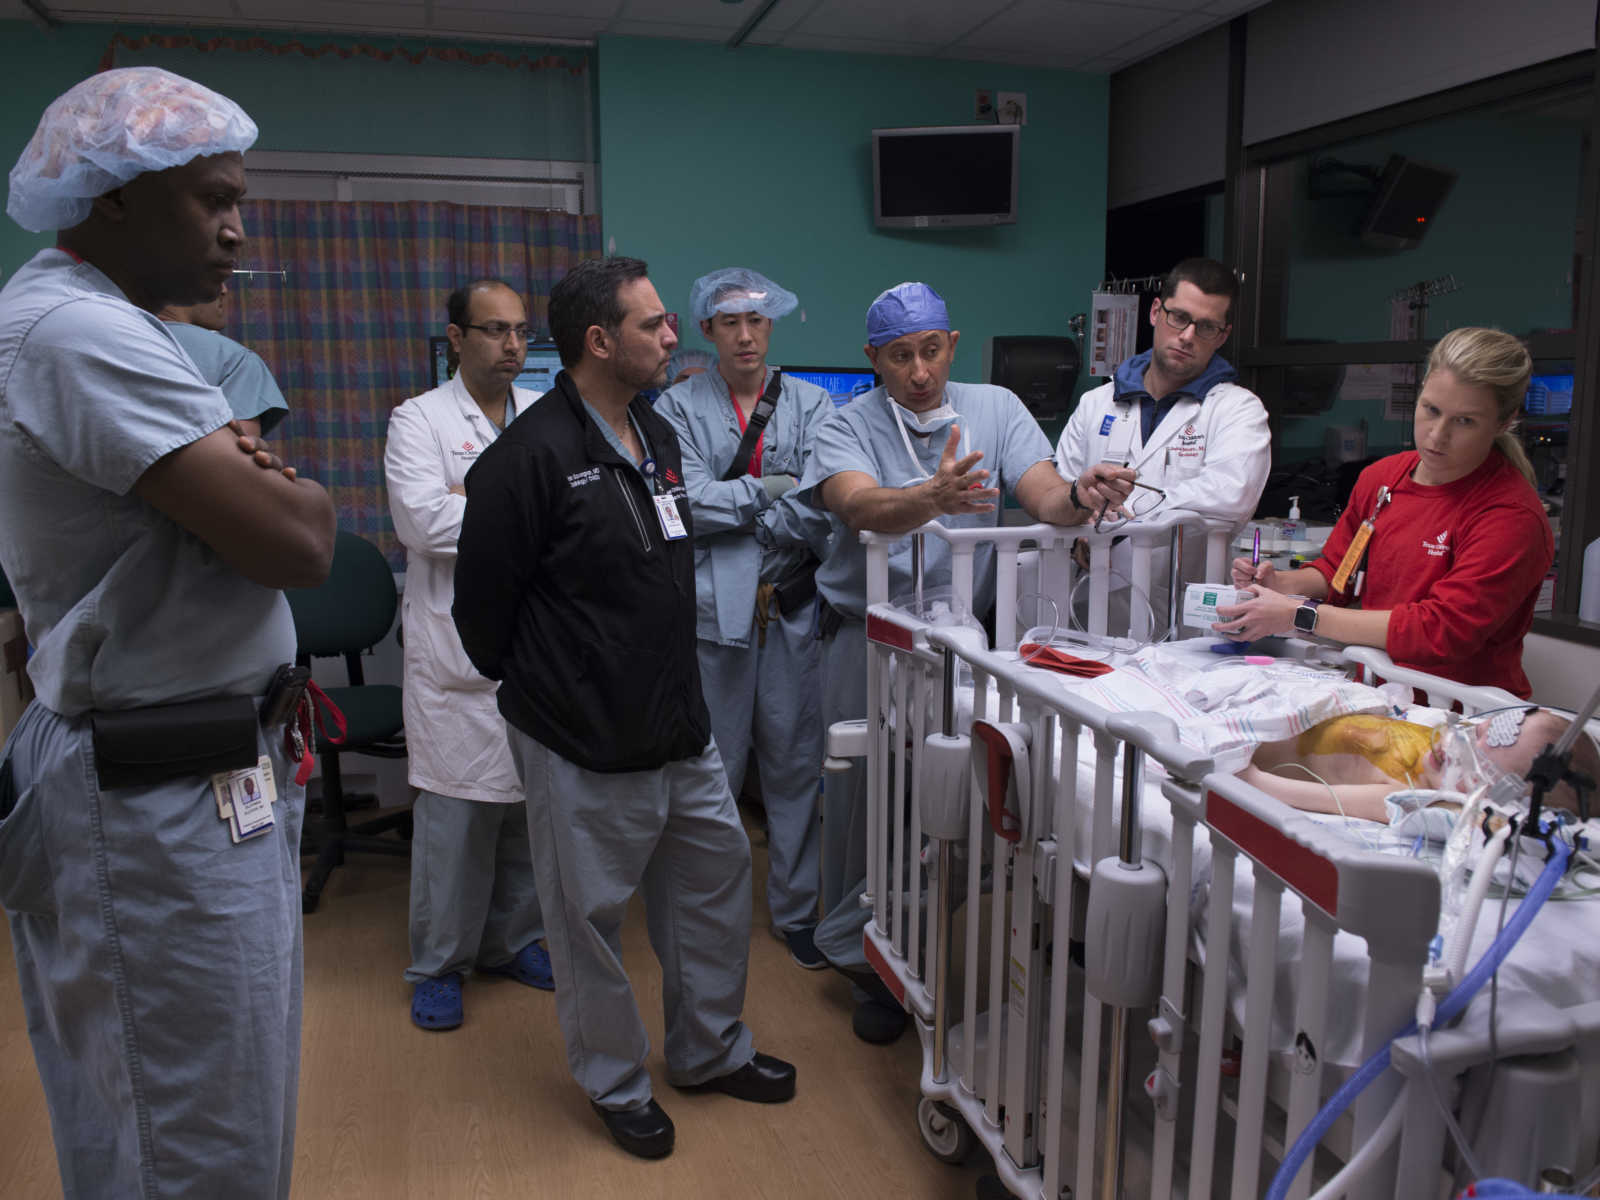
{"points": [[1056, 786]]}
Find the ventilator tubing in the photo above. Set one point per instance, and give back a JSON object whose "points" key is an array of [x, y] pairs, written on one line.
{"points": [[1450, 1008]]}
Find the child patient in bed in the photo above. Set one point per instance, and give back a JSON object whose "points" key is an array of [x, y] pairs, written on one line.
{"points": [[1349, 764]]}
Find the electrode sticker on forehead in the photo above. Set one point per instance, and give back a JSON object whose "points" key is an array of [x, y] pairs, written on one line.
{"points": [[1505, 727]]}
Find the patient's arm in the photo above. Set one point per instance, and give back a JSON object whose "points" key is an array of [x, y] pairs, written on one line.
{"points": [[1353, 799]]}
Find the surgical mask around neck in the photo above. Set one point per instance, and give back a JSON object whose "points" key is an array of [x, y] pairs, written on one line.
{"points": [[924, 423]]}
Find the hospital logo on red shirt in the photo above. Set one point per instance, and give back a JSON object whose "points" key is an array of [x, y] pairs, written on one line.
{"points": [[1439, 546]]}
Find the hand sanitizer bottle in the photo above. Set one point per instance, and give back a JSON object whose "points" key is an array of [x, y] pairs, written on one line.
{"points": [[1291, 529]]}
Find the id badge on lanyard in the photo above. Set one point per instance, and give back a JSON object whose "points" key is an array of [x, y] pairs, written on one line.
{"points": [[672, 527], [1116, 435]]}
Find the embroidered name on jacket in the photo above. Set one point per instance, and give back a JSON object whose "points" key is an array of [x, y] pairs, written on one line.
{"points": [[588, 475]]}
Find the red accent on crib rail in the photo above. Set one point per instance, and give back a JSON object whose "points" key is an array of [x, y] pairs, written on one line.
{"points": [[880, 629], [1313, 876]]}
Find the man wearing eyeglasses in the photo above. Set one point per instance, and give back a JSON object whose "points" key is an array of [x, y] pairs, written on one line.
{"points": [[1172, 417], [473, 898]]}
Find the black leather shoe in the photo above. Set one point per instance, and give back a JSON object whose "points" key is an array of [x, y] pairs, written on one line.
{"points": [[645, 1132], [878, 1022], [763, 1080]]}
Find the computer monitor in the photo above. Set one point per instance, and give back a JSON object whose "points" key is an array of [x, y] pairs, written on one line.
{"points": [[844, 384], [441, 363], [540, 371]]}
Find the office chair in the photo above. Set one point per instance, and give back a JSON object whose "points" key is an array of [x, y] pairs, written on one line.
{"points": [[352, 611]]}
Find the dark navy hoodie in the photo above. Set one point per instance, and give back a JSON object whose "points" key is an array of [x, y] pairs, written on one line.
{"points": [[1128, 384]]}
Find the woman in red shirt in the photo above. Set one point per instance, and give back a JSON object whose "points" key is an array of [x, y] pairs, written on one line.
{"points": [[1445, 577]]}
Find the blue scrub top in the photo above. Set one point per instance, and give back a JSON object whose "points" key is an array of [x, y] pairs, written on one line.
{"points": [[862, 437], [124, 606], [249, 387]]}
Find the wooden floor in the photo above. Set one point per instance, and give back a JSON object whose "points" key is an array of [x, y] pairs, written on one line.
{"points": [[489, 1110]]}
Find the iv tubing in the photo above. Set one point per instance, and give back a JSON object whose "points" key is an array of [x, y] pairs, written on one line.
{"points": [[1450, 1008], [1482, 876]]}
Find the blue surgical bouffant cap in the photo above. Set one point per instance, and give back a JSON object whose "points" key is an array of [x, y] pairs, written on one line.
{"points": [[905, 308]]}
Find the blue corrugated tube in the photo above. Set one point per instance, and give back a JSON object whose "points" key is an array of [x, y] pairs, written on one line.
{"points": [[1450, 1008]]}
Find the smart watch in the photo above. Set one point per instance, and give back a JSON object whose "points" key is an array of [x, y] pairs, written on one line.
{"points": [[1305, 617]]}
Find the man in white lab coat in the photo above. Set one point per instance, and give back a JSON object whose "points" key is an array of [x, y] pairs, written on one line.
{"points": [[473, 899], [1173, 417]]}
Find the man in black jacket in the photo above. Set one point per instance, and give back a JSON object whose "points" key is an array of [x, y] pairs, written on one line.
{"points": [[575, 589]]}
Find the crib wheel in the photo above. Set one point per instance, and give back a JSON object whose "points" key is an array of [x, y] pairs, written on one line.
{"points": [[944, 1132]]}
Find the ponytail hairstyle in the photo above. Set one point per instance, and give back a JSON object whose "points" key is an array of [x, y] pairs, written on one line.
{"points": [[1493, 359]]}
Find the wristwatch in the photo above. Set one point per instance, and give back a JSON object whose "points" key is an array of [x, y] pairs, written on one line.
{"points": [[1073, 496], [1305, 617]]}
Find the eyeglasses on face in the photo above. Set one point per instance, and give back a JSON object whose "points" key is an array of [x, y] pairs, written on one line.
{"points": [[1206, 331], [497, 330]]}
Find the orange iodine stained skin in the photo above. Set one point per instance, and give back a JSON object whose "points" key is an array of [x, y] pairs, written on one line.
{"points": [[1395, 747]]}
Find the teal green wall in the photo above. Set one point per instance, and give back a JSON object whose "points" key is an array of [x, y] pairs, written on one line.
{"points": [[762, 157], [328, 104]]}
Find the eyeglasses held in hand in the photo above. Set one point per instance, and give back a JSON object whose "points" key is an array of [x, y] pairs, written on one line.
{"points": [[1206, 331]]}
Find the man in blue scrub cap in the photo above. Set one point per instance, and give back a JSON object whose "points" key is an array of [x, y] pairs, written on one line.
{"points": [[157, 936], [755, 588], [917, 449]]}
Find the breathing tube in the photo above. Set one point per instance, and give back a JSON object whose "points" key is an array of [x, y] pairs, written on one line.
{"points": [[1450, 1008]]}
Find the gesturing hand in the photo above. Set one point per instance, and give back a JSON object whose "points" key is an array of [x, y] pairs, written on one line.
{"points": [[257, 449], [955, 487]]}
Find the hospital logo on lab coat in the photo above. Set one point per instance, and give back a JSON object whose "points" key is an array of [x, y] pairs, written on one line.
{"points": [[468, 447]]}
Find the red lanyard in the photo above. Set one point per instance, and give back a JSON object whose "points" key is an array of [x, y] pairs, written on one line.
{"points": [[744, 422]]}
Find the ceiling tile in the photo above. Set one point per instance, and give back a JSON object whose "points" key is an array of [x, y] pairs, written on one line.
{"points": [[1066, 27], [595, 11], [929, 23], [703, 13], [787, 14], [851, 45], [402, 16], [516, 25], [1175, 31], [664, 29]]}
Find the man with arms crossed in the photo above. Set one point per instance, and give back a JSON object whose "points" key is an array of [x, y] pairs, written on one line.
{"points": [[157, 939], [575, 589], [758, 659]]}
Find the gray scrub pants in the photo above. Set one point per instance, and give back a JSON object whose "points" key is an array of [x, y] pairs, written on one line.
{"points": [[844, 805], [160, 971], [768, 695], [597, 838], [473, 898]]}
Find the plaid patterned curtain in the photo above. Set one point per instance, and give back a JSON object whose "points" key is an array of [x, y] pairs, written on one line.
{"points": [[346, 331]]}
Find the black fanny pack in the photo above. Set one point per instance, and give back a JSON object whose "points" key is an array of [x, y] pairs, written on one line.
{"points": [[140, 747], [796, 589]]}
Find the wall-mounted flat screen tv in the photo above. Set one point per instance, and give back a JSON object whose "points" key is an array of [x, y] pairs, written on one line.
{"points": [[942, 176]]}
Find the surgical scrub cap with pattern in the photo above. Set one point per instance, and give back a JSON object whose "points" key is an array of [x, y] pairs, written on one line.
{"points": [[98, 135], [738, 290]]}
